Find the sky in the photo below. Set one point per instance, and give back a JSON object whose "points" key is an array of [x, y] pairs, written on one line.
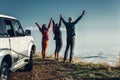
{"points": [[99, 27]]}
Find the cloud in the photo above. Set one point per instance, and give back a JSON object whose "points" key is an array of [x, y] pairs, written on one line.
{"points": [[31, 28]]}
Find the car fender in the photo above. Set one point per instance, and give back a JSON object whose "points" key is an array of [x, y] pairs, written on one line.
{"points": [[3, 54], [31, 45], [1, 59]]}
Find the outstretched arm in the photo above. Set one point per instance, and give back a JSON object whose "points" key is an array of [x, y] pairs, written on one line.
{"points": [[38, 27], [83, 13], [53, 26], [62, 19], [60, 22], [49, 24]]}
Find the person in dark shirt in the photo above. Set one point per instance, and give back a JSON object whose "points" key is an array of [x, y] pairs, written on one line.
{"points": [[45, 37], [57, 37], [70, 29]]}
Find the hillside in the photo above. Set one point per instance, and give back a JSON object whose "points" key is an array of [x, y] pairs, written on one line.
{"points": [[50, 69]]}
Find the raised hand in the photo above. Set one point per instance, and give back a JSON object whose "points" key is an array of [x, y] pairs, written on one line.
{"points": [[51, 19], [36, 23], [60, 15], [83, 13]]}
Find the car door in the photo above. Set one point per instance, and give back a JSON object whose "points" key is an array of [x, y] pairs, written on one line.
{"points": [[18, 44], [21, 40], [11, 34], [4, 40]]}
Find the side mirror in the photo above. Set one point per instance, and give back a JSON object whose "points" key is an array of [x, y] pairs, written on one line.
{"points": [[28, 32]]}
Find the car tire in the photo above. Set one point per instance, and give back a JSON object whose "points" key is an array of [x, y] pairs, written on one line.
{"points": [[29, 66], [4, 75]]}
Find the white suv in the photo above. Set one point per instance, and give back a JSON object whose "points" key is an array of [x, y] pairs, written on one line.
{"points": [[16, 47]]}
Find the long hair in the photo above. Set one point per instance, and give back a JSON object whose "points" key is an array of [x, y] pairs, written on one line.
{"points": [[44, 27]]}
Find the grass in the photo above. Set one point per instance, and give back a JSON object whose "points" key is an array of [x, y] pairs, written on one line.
{"points": [[93, 71], [89, 71], [119, 60]]}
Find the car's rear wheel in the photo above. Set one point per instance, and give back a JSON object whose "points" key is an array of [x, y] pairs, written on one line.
{"points": [[29, 66], [4, 71]]}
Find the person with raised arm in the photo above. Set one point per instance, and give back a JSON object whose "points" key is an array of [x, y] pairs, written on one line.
{"points": [[57, 37], [45, 37], [70, 30]]}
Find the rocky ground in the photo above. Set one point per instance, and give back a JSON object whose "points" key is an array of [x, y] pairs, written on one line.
{"points": [[44, 70]]}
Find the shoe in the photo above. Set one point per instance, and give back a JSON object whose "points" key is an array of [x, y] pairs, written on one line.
{"points": [[43, 58], [70, 61], [63, 61]]}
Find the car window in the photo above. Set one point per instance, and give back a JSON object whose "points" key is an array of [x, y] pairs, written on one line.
{"points": [[9, 28], [18, 29], [0, 27], [1, 32]]}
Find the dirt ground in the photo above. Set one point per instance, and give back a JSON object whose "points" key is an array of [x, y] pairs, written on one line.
{"points": [[43, 70]]}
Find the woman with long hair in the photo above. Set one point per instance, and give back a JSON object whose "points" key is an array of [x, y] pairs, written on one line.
{"points": [[45, 37]]}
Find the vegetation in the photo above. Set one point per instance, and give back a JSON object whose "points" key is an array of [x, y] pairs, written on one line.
{"points": [[50, 69], [92, 71], [82, 70]]}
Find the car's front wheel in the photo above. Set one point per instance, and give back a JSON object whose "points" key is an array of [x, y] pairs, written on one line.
{"points": [[29, 66], [4, 75]]}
